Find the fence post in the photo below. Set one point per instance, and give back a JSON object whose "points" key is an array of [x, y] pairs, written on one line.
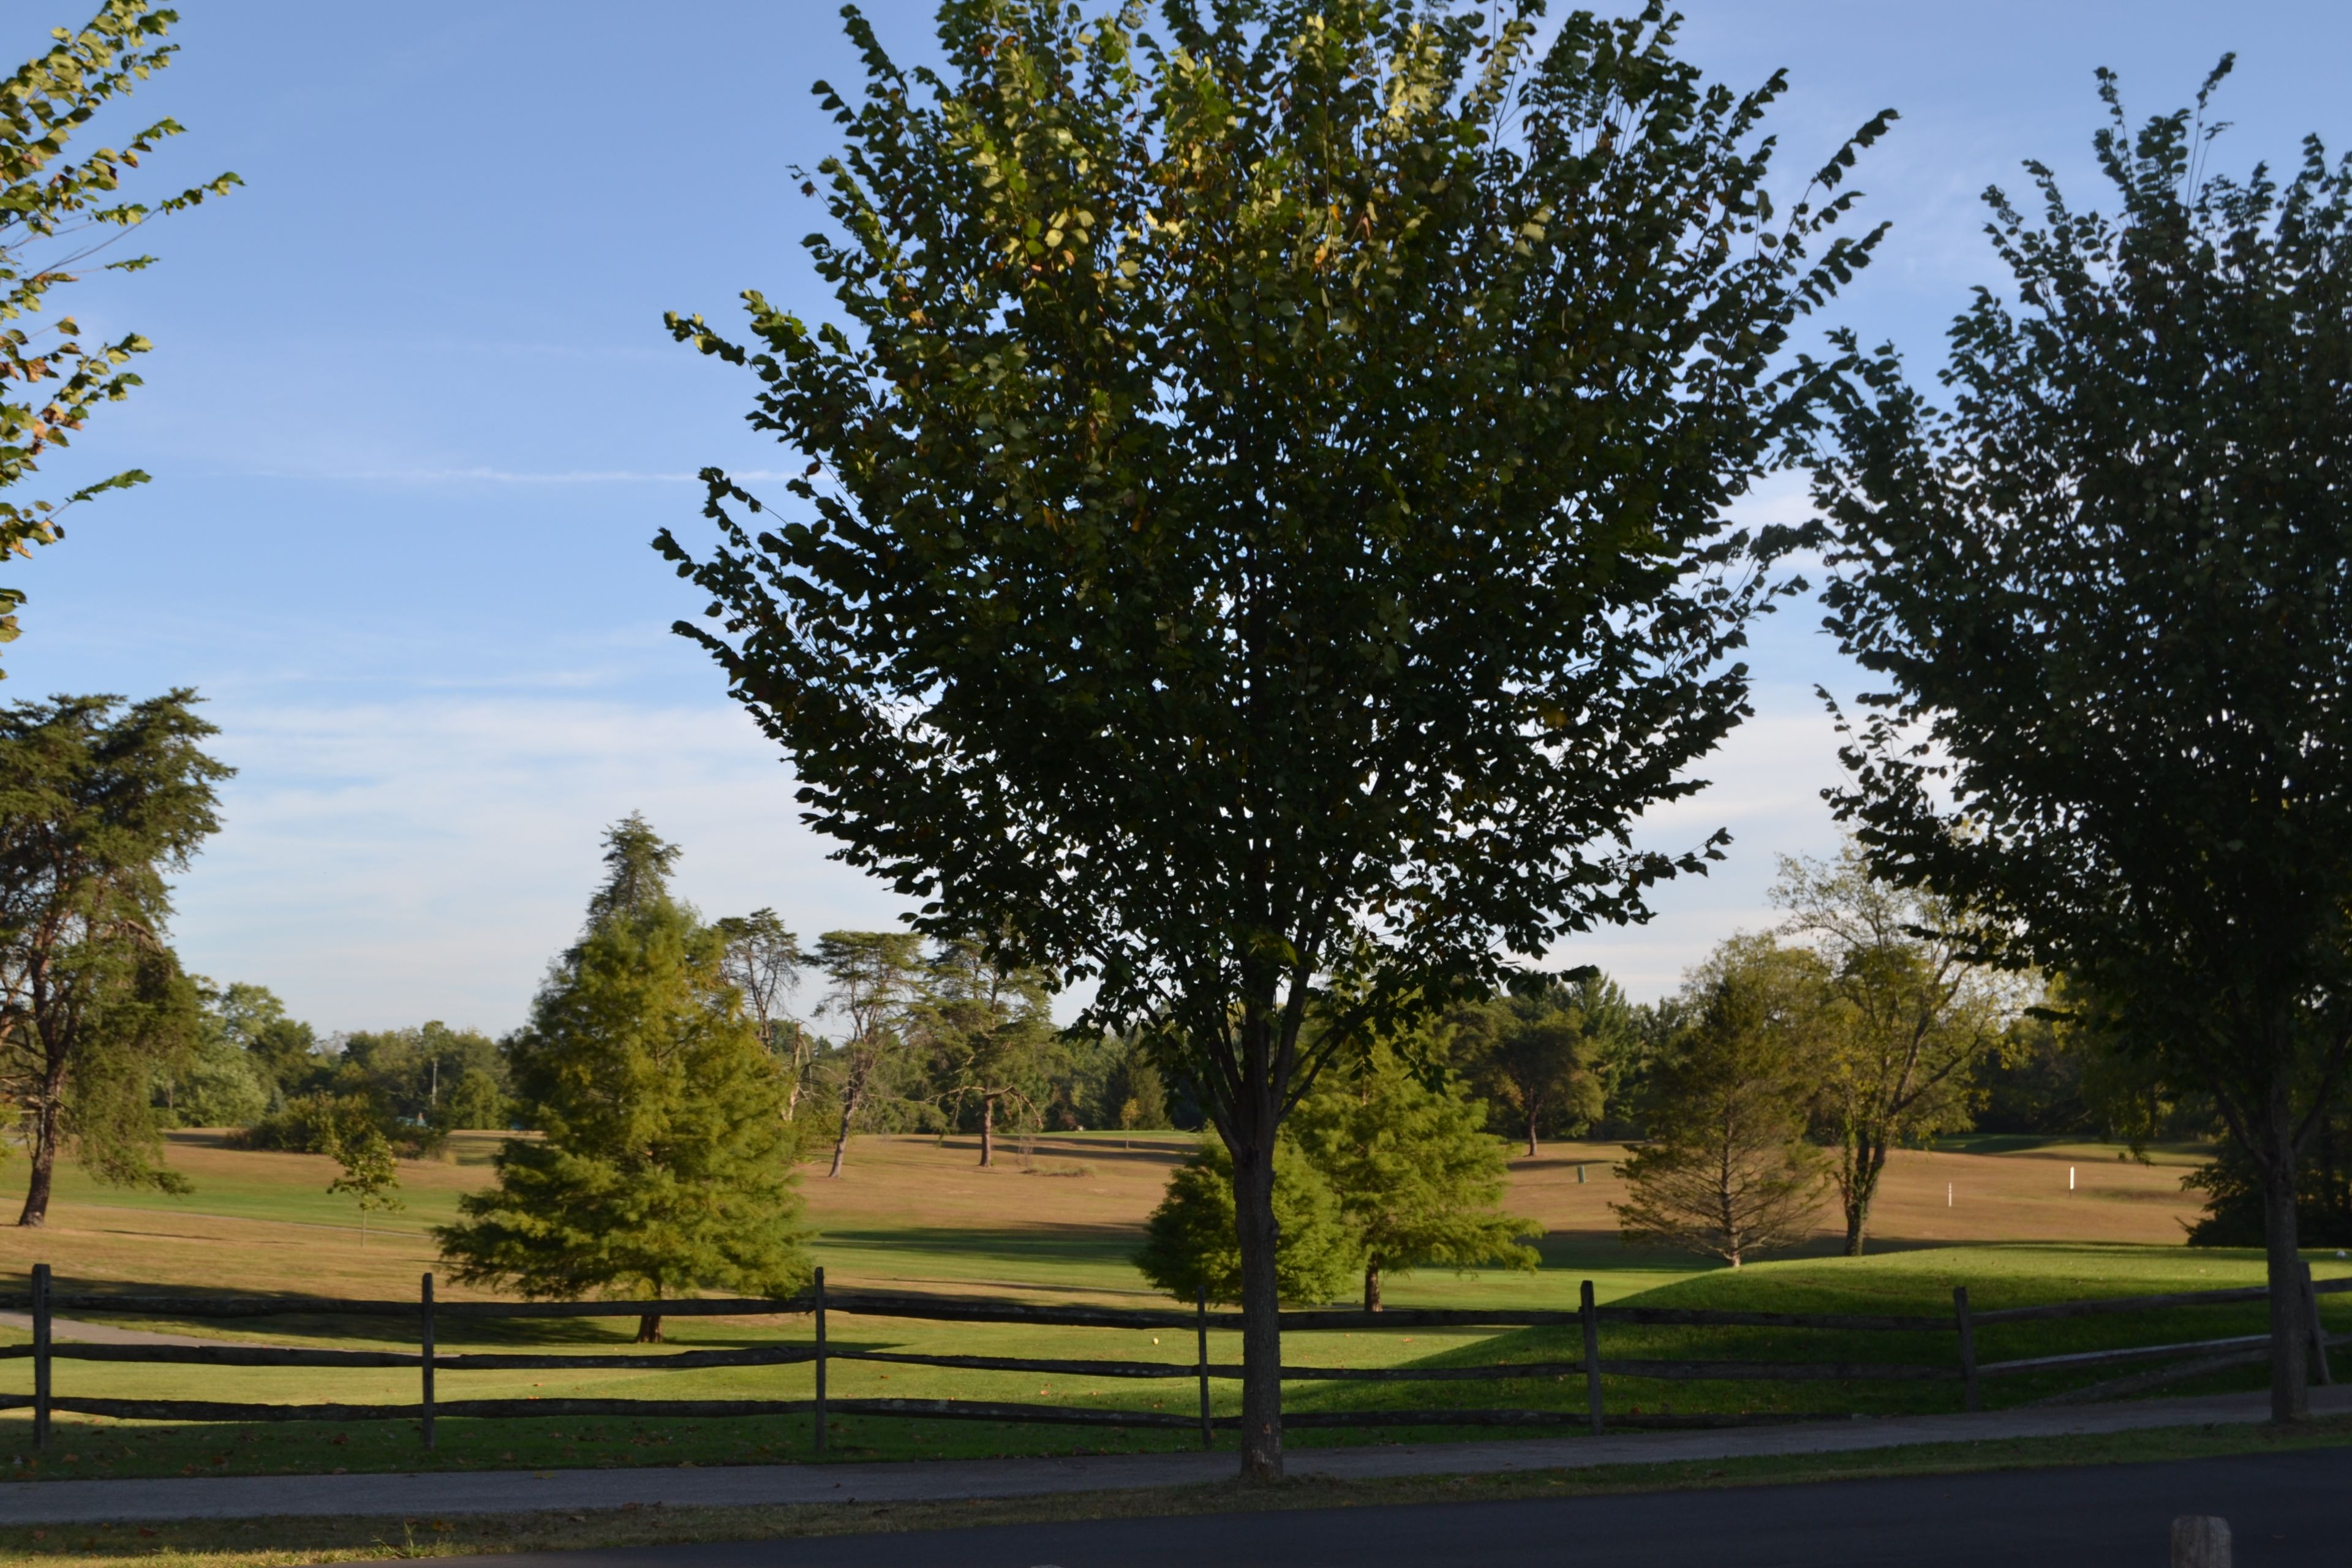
{"points": [[425, 1338], [2318, 1333], [1968, 1348], [1201, 1306], [1591, 1316], [41, 1355], [820, 1361]]}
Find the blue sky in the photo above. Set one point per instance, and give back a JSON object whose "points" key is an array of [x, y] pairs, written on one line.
{"points": [[413, 418]]}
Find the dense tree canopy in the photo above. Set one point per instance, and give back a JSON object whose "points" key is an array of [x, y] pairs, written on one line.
{"points": [[1541, 1056], [2108, 593], [1264, 506], [1905, 1018], [100, 800]]}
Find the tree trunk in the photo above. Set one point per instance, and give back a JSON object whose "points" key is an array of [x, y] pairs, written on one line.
{"points": [[1372, 1285], [2290, 1371], [35, 1212], [841, 1141], [649, 1330], [1261, 1303], [1869, 1163], [987, 1130], [793, 1094], [1535, 1110]]}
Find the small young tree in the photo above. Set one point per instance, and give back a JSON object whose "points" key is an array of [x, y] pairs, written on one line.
{"points": [[1190, 1241], [100, 800], [990, 1029], [664, 1163], [1727, 1170], [353, 1136], [2103, 600], [875, 979], [1419, 1178], [55, 214], [1544, 1055], [1915, 1018]]}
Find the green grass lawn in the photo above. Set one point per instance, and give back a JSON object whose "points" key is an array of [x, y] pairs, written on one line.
{"points": [[914, 1214], [1917, 1281]]}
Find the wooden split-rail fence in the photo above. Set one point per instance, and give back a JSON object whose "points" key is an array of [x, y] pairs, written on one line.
{"points": [[820, 1305]]}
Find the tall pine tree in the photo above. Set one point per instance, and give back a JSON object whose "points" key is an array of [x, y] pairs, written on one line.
{"points": [[665, 1164]]}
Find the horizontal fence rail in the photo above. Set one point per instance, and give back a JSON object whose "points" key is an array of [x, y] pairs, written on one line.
{"points": [[953, 1309], [818, 1304]]}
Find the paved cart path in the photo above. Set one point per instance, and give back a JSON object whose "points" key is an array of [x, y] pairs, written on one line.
{"points": [[509, 1491], [2284, 1510], [102, 1333]]}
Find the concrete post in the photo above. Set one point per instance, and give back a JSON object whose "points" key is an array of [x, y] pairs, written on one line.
{"points": [[2200, 1541]]}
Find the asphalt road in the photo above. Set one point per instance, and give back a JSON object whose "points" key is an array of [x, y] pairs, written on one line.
{"points": [[2286, 1510]]}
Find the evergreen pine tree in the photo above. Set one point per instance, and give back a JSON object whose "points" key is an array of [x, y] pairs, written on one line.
{"points": [[1418, 1178], [1190, 1241], [665, 1160], [1727, 1170]]}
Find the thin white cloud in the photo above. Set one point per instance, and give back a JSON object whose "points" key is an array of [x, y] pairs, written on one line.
{"points": [[386, 863], [1767, 783]]}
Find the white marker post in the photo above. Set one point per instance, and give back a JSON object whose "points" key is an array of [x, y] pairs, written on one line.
{"points": [[1947, 1194], [2070, 1178]]}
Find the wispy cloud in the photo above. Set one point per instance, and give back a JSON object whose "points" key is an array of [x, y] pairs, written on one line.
{"points": [[384, 863]]}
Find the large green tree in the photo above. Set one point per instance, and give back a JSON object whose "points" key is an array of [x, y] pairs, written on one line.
{"points": [[662, 1163], [57, 214], [1910, 1018], [222, 1083], [283, 1049], [874, 987], [2106, 597], [1264, 506], [1418, 1178], [763, 964], [100, 800], [990, 1031], [1542, 1056]]}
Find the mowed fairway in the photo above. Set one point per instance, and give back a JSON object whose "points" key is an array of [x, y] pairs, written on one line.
{"points": [[1054, 1217], [1057, 1220]]}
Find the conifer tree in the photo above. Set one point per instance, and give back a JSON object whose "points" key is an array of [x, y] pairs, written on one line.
{"points": [[100, 802], [991, 1029], [665, 1160], [1418, 1178], [1727, 1170], [875, 982], [1190, 1241]]}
